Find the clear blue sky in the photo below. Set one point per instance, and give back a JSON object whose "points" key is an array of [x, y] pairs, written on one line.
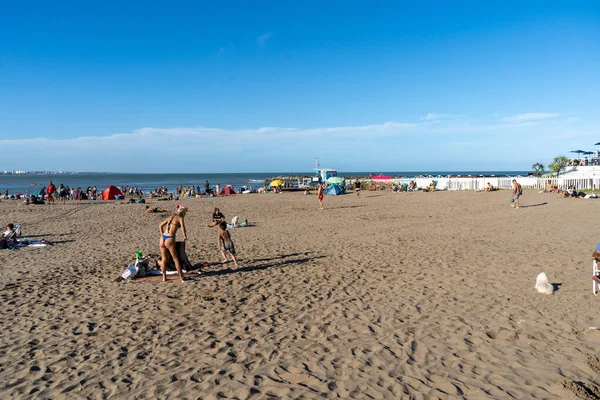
{"points": [[266, 86]]}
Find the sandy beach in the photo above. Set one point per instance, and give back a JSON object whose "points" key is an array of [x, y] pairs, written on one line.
{"points": [[386, 296]]}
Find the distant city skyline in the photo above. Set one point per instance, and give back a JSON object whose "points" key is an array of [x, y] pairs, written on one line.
{"points": [[267, 87]]}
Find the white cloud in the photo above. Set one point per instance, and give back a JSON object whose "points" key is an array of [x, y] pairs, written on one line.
{"points": [[262, 39], [437, 117], [264, 148], [530, 117]]}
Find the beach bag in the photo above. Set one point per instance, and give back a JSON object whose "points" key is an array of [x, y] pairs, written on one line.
{"points": [[130, 272], [142, 267], [3, 244]]}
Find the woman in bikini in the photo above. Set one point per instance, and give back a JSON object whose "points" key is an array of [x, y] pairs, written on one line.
{"points": [[168, 228]]}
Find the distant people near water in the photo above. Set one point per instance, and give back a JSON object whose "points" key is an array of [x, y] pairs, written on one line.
{"points": [[207, 188], [50, 190], [357, 187], [489, 187], [62, 193], [320, 192], [168, 230], [217, 217], [225, 243], [517, 191]]}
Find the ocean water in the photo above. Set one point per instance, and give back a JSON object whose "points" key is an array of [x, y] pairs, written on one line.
{"points": [[29, 183]]}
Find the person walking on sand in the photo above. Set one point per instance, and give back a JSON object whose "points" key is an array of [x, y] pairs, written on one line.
{"points": [[168, 228], [516, 193], [357, 187], [62, 193], [50, 192], [225, 244], [320, 195]]}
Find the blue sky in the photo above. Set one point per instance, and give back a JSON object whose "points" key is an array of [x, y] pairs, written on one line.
{"points": [[268, 86]]}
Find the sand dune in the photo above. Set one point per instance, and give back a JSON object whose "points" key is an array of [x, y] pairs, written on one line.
{"points": [[388, 296]]}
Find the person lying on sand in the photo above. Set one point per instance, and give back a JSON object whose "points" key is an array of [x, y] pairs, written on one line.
{"points": [[154, 210]]}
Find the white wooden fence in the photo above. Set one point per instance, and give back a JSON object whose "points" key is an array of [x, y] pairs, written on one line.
{"points": [[479, 183]]}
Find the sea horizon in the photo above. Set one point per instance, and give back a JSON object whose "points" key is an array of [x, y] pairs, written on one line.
{"points": [[31, 182]]}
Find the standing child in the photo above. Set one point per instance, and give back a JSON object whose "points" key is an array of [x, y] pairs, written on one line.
{"points": [[516, 192], [225, 243], [320, 195], [357, 187]]}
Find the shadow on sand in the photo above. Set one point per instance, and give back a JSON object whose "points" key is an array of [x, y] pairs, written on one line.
{"points": [[556, 286], [275, 264], [534, 205]]}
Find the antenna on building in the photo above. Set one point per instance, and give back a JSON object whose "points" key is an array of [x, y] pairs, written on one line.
{"points": [[317, 161]]}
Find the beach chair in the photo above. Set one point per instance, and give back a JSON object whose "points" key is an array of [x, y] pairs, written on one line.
{"points": [[595, 279]]}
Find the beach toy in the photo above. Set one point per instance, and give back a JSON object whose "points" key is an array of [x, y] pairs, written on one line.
{"points": [[138, 254], [512, 200]]}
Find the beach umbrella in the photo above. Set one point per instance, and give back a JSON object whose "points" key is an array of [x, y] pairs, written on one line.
{"points": [[335, 179], [597, 144], [276, 182], [577, 151]]}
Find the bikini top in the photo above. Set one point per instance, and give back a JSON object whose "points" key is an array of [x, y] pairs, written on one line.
{"points": [[169, 224]]}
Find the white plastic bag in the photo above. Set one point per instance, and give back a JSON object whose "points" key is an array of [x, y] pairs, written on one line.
{"points": [[130, 272]]}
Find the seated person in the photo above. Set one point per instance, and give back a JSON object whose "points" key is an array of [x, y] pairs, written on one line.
{"points": [[489, 187], [10, 234], [154, 210], [549, 187], [217, 217], [432, 186], [9, 229]]}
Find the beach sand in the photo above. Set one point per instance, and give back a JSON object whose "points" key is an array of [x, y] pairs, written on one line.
{"points": [[386, 296]]}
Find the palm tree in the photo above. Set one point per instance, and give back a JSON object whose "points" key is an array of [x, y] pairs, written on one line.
{"points": [[538, 169], [558, 164]]}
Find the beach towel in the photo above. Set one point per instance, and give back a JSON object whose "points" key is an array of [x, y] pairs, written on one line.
{"points": [[29, 243], [183, 259]]}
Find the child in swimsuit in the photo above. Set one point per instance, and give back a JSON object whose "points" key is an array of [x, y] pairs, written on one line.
{"points": [[320, 195], [225, 243]]}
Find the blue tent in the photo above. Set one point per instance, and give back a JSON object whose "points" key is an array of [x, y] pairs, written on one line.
{"points": [[334, 190]]}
